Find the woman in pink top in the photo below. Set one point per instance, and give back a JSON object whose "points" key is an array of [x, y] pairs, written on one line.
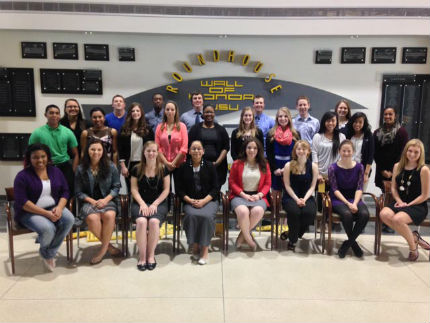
{"points": [[172, 138]]}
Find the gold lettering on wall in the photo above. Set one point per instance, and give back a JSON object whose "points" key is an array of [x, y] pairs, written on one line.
{"points": [[201, 59]]}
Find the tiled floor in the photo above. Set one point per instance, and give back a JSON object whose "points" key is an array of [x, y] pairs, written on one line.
{"points": [[266, 286]]}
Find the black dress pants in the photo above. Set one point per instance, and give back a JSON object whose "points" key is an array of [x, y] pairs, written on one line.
{"points": [[299, 218], [348, 218]]}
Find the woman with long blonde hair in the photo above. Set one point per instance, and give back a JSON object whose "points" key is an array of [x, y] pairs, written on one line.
{"points": [[410, 187], [150, 184], [246, 130], [279, 145], [300, 178]]}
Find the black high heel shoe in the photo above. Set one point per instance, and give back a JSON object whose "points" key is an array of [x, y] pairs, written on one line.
{"points": [[142, 267]]}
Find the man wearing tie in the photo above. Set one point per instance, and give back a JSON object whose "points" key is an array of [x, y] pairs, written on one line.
{"points": [[193, 116]]}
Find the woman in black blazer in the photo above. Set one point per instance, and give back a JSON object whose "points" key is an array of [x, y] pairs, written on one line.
{"points": [[359, 132], [198, 188]]}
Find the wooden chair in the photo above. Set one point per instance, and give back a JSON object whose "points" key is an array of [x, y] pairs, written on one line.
{"points": [[179, 215], [386, 199], [332, 217], [14, 229], [268, 214]]}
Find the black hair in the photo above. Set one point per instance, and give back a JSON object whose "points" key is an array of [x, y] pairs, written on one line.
{"points": [[350, 125], [51, 106], [97, 109], [35, 147], [327, 116], [207, 106]]}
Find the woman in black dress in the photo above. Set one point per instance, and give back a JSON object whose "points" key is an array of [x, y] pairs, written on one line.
{"points": [[410, 188], [150, 183], [247, 129], [215, 141]]}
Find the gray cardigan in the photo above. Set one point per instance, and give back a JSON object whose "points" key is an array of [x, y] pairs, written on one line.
{"points": [[84, 183]]}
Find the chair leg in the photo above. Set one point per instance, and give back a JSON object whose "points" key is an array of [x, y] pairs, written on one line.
{"points": [[11, 253], [174, 232]]}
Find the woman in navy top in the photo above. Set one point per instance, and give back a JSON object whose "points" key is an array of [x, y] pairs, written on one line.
{"points": [[279, 145], [346, 188], [300, 178]]}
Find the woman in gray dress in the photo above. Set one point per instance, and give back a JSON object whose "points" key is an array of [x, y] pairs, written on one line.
{"points": [[198, 189], [249, 183], [97, 186]]}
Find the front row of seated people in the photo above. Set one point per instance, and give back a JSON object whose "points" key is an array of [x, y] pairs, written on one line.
{"points": [[41, 194]]}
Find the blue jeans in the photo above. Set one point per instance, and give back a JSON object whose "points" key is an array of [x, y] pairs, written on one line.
{"points": [[51, 234]]}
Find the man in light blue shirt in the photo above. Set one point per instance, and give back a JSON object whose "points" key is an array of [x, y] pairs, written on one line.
{"points": [[193, 116], [262, 120], [155, 116], [304, 123]]}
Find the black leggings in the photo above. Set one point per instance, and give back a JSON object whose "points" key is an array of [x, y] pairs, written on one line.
{"points": [[67, 170], [347, 218], [299, 218]]}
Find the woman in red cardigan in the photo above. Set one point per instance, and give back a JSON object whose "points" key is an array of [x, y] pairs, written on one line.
{"points": [[249, 182]]}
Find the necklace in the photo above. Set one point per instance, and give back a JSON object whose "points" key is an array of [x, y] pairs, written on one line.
{"points": [[408, 182]]}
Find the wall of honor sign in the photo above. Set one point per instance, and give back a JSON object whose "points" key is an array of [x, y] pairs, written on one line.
{"points": [[231, 94]]}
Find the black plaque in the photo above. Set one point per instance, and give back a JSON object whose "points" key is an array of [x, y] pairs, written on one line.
{"points": [[50, 81], [17, 92], [323, 57], [65, 50], [126, 54], [384, 55], [33, 49], [13, 145], [92, 82], [71, 81], [414, 55], [353, 55], [96, 52]]}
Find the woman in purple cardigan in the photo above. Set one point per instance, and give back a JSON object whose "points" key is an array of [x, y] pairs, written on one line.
{"points": [[41, 193]]}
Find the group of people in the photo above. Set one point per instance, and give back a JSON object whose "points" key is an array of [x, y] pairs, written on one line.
{"points": [[160, 151]]}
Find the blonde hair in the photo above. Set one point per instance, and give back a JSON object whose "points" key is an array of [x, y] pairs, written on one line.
{"points": [[403, 159], [290, 124], [252, 126], [294, 164], [159, 167]]}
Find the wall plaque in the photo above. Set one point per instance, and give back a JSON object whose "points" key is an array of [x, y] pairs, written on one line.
{"points": [[323, 57], [33, 49], [65, 50], [414, 55], [96, 52], [353, 55], [126, 54], [384, 55]]}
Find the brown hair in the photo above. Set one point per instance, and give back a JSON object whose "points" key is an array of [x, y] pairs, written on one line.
{"points": [[159, 167], [142, 129]]}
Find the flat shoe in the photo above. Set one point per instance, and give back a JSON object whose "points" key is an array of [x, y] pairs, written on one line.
{"points": [[291, 246], [95, 262], [195, 257], [358, 252], [421, 242], [151, 265], [413, 255], [203, 261], [48, 265], [142, 267]]}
